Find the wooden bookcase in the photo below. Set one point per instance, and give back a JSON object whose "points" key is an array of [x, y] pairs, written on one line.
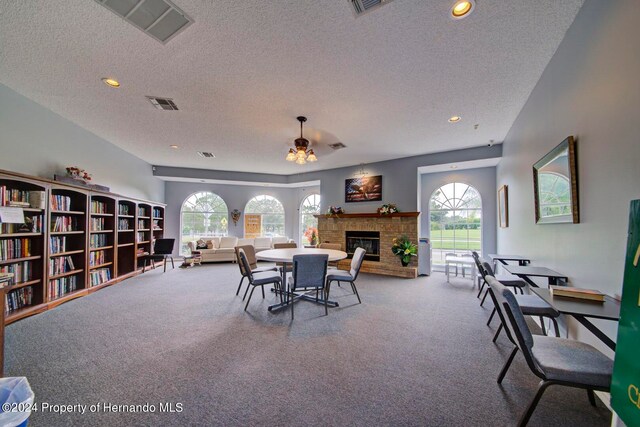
{"points": [[126, 238], [102, 241], [22, 248], [75, 241]]}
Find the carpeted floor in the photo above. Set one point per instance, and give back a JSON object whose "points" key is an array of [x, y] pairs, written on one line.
{"points": [[415, 352]]}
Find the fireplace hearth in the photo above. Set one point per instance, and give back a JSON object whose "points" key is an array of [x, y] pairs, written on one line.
{"points": [[367, 240]]}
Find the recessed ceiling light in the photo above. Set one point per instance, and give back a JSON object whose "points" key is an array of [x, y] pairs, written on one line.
{"points": [[454, 119], [175, 147], [110, 82], [462, 9]]}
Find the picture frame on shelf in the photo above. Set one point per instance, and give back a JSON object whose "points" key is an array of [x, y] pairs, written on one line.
{"points": [[503, 206]]}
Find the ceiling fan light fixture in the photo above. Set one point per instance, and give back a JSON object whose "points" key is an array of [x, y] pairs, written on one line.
{"points": [[291, 156], [301, 161], [312, 157], [301, 154]]}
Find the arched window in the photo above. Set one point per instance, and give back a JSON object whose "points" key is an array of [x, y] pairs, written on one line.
{"points": [[455, 221], [263, 216], [309, 207], [203, 214]]}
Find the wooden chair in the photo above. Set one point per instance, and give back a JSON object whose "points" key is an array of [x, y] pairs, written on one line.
{"points": [[250, 252], [260, 279]]}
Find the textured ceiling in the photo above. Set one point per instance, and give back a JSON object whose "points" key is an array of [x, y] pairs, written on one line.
{"points": [[384, 83]]}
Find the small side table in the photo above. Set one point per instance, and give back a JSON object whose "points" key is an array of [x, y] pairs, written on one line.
{"points": [[193, 259]]}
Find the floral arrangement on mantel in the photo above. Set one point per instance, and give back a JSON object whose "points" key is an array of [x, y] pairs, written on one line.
{"points": [[77, 173], [387, 208], [311, 233], [404, 249], [335, 210]]}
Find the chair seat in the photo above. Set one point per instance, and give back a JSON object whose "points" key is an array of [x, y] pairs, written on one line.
{"points": [[263, 269], [573, 361], [533, 305], [266, 277], [340, 275], [510, 280]]}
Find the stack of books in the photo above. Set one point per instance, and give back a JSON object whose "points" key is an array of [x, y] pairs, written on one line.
{"points": [[579, 293]]}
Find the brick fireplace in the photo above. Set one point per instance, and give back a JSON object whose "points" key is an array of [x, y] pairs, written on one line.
{"points": [[375, 233]]}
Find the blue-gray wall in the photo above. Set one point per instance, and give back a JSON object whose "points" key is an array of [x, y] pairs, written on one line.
{"points": [[590, 90], [36, 141], [483, 180]]}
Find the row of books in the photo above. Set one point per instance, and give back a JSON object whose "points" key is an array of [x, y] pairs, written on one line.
{"points": [[142, 223], [14, 248], [157, 213], [33, 224], [22, 272], [62, 286], [97, 224], [60, 265], [17, 299], [60, 203], [21, 198], [157, 225], [123, 210], [98, 240], [57, 244], [123, 224], [65, 223], [98, 207], [97, 258], [142, 212], [587, 294], [140, 237], [99, 276]]}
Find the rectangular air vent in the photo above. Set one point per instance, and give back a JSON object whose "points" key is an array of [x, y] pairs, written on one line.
{"points": [[362, 6], [206, 154], [160, 19], [162, 103], [337, 145]]}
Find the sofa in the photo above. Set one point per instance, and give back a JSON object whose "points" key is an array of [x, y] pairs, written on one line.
{"points": [[221, 249]]}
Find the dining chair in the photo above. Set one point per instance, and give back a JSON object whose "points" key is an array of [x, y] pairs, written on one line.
{"points": [[349, 276], [556, 361], [162, 249], [449, 261], [309, 272], [506, 280], [250, 252], [281, 265], [259, 279], [333, 265]]}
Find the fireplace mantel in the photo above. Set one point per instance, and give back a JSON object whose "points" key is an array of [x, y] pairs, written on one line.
{"points": [[371, 215]]}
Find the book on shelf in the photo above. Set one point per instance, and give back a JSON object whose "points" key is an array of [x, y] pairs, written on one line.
{"points": [[100, 276], [14, 248], [123, 210], [97, 258], [21, 198], [17, 273], [587, 294], [97, 224], [60, 203], [62, 286], [65, 223], [17, 299], [32, 224], [98, 207], [57, 244], [60, 265], [98, 241], [123, 224]]}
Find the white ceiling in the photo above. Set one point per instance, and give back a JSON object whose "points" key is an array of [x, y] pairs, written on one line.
{"points": [[384, 83]]}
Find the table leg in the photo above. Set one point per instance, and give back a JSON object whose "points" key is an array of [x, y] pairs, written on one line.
{"points": [[526, 279], [557, 281], [595, 331]]}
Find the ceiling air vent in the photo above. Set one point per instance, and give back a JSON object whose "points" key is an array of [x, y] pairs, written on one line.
{"points": [[206, 154], [362, 6], [160, 19], [162, 103], [337, 145]]}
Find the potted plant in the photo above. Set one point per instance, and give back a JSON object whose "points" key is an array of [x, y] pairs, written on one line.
{"points": [[311, 233], [387, 208], [404, 249]]}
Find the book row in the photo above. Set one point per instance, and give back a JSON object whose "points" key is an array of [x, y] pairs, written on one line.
{"points": [[123, 224], [142, 211], [21, 198], [100, 276], [57, 244], [33, 224], [97, 224], [62, 286], [124, 210], [60, 265], [141, 237], [65, 223], [98, 207], [157, 213], [60, 203], [142, 223], [14, 248], [97, 258], [98, 241], [157, 225], [22, 272], [17, 299]]}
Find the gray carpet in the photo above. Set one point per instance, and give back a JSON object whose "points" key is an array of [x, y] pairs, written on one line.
{"points": [[415, 352]]}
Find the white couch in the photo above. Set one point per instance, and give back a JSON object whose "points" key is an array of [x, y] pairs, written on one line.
{"points": [[223, 248]]}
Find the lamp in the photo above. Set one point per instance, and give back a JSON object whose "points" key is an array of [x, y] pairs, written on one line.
{"points": [[300, 155]]}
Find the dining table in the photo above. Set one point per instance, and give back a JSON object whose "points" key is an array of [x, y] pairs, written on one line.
{"points": [[526, 272], [582, 310], [285, 256]]}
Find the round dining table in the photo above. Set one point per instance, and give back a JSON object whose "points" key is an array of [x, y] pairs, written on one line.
{"points": [[285, 256]]}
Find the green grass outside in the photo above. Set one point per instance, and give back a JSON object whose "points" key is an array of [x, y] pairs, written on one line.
{"points": [[464, 239]]}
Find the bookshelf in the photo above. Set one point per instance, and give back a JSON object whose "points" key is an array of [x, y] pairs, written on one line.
{"points": [[75, 241], [126, 237], [103, 226], [67, 255], [143, 233], [22, 246]]}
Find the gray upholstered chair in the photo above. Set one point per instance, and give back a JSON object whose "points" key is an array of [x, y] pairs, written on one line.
{"points": [[250, 252], [309, 272], [259, 279], [531, 305], [506, 280], [557, 361], [333, 246], [290, 245], [348, 276]]}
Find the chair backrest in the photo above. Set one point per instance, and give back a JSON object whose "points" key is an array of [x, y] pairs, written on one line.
{"points": [[163, 246], [356, 262], [250, 253], [285, 245], [334, 246], [488, 270], [513, 320], [244, 264], [309, 271]]}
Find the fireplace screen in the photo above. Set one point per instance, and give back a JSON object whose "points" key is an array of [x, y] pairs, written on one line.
{"points": [[367, 240]]}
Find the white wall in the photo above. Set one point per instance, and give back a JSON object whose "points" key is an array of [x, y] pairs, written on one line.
{"points": [[590, 90], [36, 141]]}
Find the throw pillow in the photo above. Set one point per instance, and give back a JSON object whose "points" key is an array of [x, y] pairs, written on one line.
{"points": [[201, 244], [210, 244]]}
